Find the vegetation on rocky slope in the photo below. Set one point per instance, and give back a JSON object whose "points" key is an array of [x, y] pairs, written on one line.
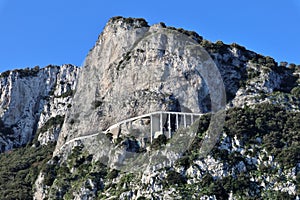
{"points": [[19, 170], [258, 151]]}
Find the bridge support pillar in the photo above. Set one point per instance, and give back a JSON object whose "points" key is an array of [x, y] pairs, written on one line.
{"points": [[151, 129], [155, 125], [177, 121], [161, 123], [169, 125]]}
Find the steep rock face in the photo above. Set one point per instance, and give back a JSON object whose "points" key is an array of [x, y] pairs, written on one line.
{"points": [[60, 101], [135, 69], [29, 98]]}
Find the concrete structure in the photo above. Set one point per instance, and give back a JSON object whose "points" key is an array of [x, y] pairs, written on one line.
{"points": [[161, 122]]}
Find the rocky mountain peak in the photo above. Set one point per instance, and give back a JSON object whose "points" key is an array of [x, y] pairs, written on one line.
{"points": [[136, 69]]}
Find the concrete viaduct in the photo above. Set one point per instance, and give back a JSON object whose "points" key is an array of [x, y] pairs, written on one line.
{"points": [[161, 122]]}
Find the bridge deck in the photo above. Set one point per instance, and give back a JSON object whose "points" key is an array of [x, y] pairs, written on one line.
{"points": [[156, 123]]}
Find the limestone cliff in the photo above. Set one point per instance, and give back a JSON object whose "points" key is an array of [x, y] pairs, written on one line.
{"points": [[135, 69], [132, 70], [32, 97]]}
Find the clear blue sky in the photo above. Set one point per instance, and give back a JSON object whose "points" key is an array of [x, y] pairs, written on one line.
{"points": [[42, 32]]}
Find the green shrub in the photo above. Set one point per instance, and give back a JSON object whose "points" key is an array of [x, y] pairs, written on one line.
{"points": [[220, 47], [68, 93], [252, 73], [158, 142], [296, 91], [49, 174], [53, 121], [129, 20], [235, 45], [5, 74], [184, 161], [27, 72], [292, 66], [96, 104], [113, 174], [5, 130], [175, 178]]}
